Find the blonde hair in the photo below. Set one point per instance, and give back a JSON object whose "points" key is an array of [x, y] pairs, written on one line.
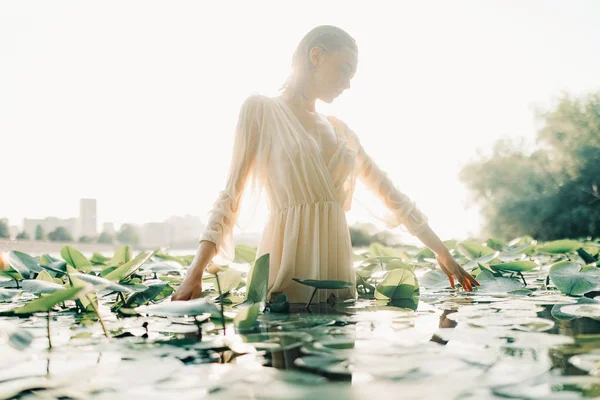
{"points": [[329, 38]]}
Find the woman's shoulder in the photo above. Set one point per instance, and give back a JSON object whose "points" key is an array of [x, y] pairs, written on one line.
{"points": [[342, 128]]}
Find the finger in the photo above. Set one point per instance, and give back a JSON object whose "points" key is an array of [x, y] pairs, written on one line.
{"points": [[464, 283], [474, 280], [468, 283], [451, 279]]}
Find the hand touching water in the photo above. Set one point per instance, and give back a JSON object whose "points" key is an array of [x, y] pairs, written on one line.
{"points": [[451, 268]]}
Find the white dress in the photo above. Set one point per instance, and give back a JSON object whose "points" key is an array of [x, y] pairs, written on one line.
{"points": [[306, 234]]}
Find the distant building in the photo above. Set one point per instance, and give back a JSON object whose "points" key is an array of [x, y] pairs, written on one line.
{"points": [[154, 234], [109, 228], [49, 224], [13, 231], [184, 229], [87, 218]]}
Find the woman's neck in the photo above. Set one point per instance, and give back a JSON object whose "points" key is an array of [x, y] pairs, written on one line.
{"points": [[301, 99]]}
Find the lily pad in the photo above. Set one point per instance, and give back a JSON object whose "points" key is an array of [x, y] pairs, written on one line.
{"points": [[399, 284], [582, 310], [47, 302], [179, 308], [435, 279], [573, 279], [561, 246], [37, 286], [492, 284], [102, 283], [128, 268], [473, 250], [258, 279], [516, 266], [74, 258], [23, 263]]}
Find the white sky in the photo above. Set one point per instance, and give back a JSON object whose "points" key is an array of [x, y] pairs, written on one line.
{"points": [[134, 102]]}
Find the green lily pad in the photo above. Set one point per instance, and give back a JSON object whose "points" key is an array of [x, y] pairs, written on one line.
{"points": [[570, 278], [473, 250], [179, 308], [400, 287], [246, 318], [561, 246], [47, 302], [74, 258], [125, 270], [101, 283], [516, 266], [37, 286], [258, 280], [23, 263], [122, 255], [492, 284]]}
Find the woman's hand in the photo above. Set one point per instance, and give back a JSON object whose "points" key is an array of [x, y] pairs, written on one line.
{"points": [[452, 270], [191, 287]]}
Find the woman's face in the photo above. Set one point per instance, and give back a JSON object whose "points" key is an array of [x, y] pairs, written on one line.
{"points": [[332, 72]]}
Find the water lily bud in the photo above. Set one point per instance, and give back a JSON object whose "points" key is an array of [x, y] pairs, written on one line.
{"points": [[214, 268]]}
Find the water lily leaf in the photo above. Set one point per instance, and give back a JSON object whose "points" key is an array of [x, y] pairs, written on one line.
{"points": [[324, 284], [180, 308], [570, 278], [23, 263], [47, 302], [495, 244], [45, 276], [83, 302], [379, 250], [74, 258], [492, 284], [162, 267], [47, 259], [400, 287], [101, 283], [125, 270], [560, 246], [517, 266], [258, 279], [394, 264], [244, 254], [59, 267], [8, 294], [481, 260], [154, 288], [582, 310], [122, 255], [473, 250], [229, 280], [425, 253], [435, 279], [246, 318], [40, 286], [99, 259]]}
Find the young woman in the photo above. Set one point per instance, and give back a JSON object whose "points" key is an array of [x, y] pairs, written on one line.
{"points": [[307, 164]]}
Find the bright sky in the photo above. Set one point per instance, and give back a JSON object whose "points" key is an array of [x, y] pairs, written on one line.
{"points": [[134, 102]]}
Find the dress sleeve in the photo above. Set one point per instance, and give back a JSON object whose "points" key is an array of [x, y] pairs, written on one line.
{"points": [[224, 213], [403, 209]]}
